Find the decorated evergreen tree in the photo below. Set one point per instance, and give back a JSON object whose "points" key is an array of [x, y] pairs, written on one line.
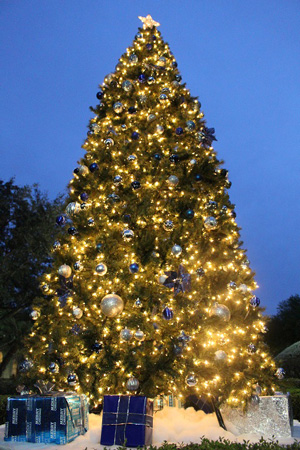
{"points": [[150, 290]]}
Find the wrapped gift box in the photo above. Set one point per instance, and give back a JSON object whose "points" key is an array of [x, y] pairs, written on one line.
{"points": [[271, 417], [167, 400], [127, 420], [57, 419]]}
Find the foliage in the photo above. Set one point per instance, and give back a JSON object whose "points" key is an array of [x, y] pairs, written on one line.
{"points": [[292, 385], [3, 402], [26, 234], [284, 327], [289, 359], [150, 167]]}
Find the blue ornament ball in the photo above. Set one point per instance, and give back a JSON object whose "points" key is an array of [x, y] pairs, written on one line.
{"points": [[157, 156], [142, 78], [135, 185], [151, 80], [133, 268], [127, 218], [133, 58], [190, 125], [99, 247], [179, 131], [174, 64], [72, 231], [198, 177], [60, 220], [189, 213], [254, 301], [100, 95], [178, 77], [84, 196], [117, 180], [168, 313], [135, 136], [93, 167], [132, 110], [174, 159]]}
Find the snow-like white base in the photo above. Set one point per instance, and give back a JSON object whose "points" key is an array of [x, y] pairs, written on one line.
{"points": [[171, 425]]}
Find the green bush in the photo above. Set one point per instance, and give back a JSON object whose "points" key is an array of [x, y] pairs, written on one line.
{"points": [[292, 385], [3, 401], [223, 444]]}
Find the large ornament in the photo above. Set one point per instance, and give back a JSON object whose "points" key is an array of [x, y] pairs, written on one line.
{"points": [[133, 59], [220, 311], [178, 281], [101, 269], [132, 384], [109, 142], [126, 334], [168, 225], [168, 313], [72, 379], [280, 373], [118, 107], [53, 367], [127, 235], [191, 380], [77, 313], [210, 223], [173, 180], [220, 355], [84, 196], [176, 250], [139, 335], [112, 305], [65, 271], [232, 286], [73, 208], [254, 301], [135, 185], [243, 288]]}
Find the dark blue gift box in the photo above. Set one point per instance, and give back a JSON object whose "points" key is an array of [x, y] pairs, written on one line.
{"points": [[127, 420], [56, 419]]}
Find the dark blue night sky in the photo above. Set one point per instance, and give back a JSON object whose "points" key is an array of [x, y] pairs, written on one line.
{"points": [[241, 58]]}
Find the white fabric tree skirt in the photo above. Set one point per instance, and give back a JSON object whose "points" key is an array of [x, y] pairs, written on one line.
{"points": [[170, 424]]}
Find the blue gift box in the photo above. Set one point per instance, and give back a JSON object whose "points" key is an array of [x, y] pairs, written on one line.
{"points": [[127, 420], [56, 419]]}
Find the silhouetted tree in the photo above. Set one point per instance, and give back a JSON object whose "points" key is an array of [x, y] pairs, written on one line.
{"points": [[26, 234], [284, 327]]}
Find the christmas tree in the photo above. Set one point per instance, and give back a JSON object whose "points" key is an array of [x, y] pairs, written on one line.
{"points": [[150, 291]]}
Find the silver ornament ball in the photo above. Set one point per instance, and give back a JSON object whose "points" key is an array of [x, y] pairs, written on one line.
{"points": [[83, 170], [77, 313], [210, 223], [191, 380], [176, 250], [73, 208], [220, 311], [127, 86], [118, 107], [132, 384], [173, 180], [220, 355], [139, 335], [112, 305], [127, 235], [34, 314], [168, 225], [126, 334], [101, 269], [53, 367]]}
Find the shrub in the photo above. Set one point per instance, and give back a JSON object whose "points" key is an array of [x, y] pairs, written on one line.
{"points": [[3, 401]]}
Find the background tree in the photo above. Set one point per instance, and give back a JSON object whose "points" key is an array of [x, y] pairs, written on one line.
{"points": [[150, 289], [26, 236], [284, 326]]}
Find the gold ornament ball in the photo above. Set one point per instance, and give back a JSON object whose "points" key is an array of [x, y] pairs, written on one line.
{"points": [[220, 355], [220, 311], [65, 271], [112, 305]]}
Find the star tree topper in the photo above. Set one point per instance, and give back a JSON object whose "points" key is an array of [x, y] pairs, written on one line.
{"points": [[148, 22]]}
